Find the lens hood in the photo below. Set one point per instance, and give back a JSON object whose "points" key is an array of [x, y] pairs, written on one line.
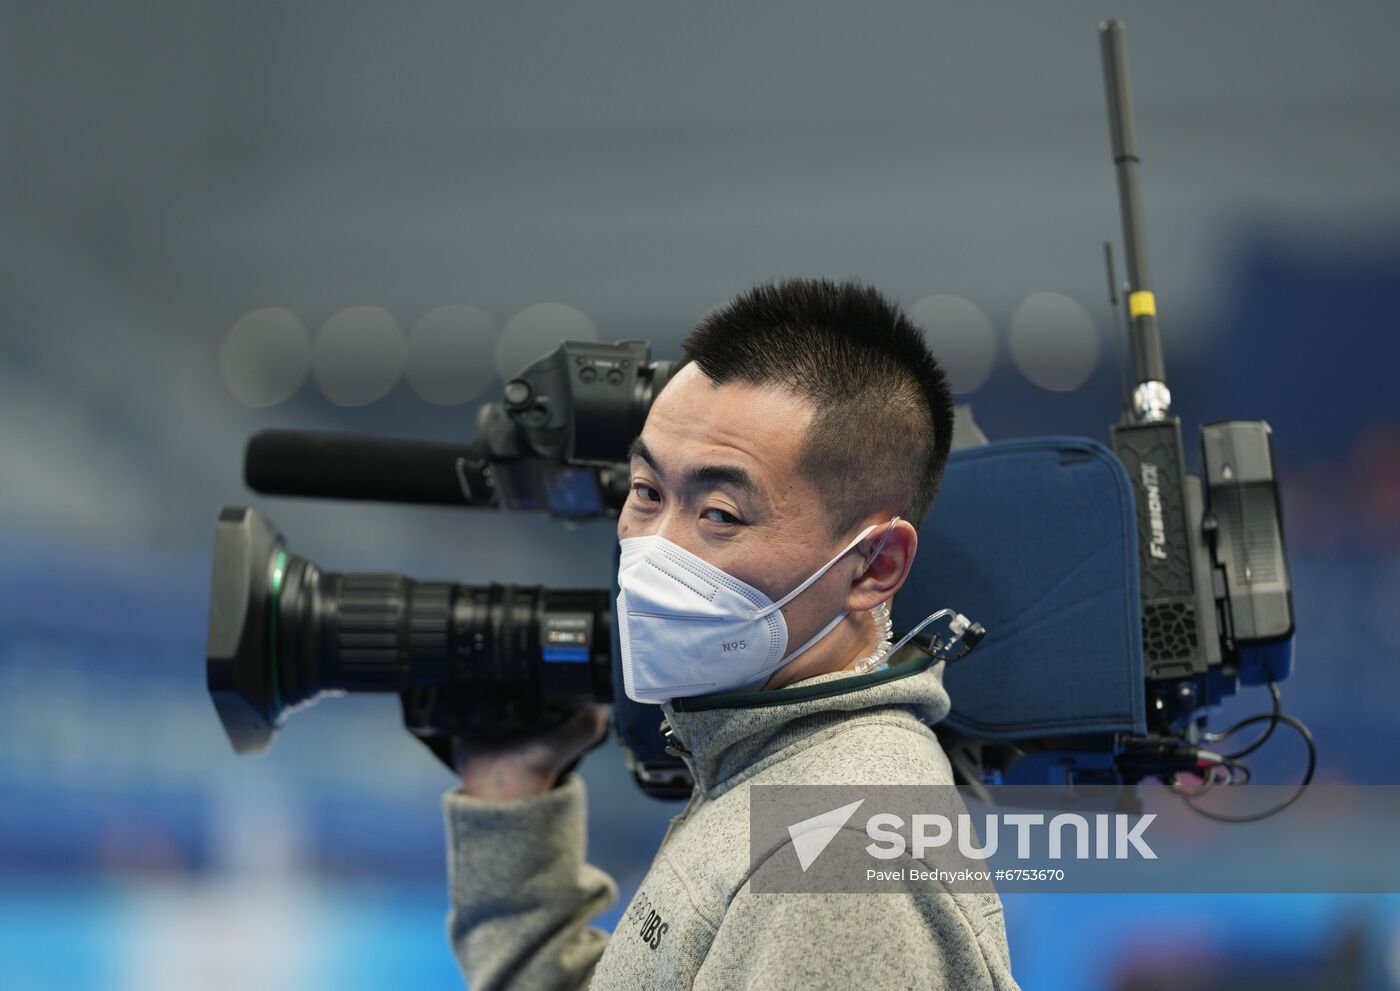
{"points": [[239, 663]]}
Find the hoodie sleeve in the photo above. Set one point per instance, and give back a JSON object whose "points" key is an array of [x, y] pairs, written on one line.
{"points": [[521, 893], [907, 940]]}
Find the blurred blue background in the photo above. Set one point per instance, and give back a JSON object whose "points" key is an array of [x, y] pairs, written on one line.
{"points": [[220, 217]]}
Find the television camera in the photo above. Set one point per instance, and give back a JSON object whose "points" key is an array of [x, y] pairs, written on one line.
{"points": [[501, 661]]}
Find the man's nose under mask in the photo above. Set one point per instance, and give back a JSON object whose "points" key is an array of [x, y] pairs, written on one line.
{"points": [[688, 628]]}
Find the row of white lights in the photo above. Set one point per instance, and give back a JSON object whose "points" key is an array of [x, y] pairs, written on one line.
{"points": [[359, 354]]}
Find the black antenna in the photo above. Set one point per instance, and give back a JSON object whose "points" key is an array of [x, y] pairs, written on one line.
{"points": [[1119, 333], [1151, 399]]}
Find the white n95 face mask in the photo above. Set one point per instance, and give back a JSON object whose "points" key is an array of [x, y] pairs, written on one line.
{"points": [[688, 628]]}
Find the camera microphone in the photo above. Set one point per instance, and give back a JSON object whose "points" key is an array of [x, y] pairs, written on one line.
{"points": [[347, 466]]}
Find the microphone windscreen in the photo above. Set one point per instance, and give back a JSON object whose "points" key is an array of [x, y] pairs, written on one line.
{"points": [[348, 466]]}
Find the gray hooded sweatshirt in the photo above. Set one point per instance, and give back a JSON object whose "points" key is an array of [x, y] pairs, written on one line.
{"points": [[522, 895]]}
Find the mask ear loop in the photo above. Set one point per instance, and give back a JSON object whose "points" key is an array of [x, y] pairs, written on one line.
{"points": [[836, 620], [889, 529], [816, 576]]}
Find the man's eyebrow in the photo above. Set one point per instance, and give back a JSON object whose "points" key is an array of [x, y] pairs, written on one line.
{"points": [[730, 475], [733, 476], [639, 449]]}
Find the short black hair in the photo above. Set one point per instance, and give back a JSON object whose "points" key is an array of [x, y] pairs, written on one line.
{"points": [[883, 421]]}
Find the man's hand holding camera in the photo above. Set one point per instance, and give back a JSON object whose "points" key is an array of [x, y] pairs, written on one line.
{"points": [[530, 766]]}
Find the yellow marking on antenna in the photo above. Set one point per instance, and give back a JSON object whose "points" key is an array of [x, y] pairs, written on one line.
{"points": [[1142, 304]]}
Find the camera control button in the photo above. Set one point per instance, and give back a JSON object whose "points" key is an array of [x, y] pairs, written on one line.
{"points": [[518, 392]]}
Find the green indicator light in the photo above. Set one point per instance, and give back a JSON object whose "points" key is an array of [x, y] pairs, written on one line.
{"points": [[279, 572]]}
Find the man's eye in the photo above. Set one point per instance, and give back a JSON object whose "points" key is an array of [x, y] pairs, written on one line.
{"points": [[726, 517], [645, 492]]}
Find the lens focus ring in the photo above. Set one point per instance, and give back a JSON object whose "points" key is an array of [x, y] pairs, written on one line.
{"points": [[367, 624]]}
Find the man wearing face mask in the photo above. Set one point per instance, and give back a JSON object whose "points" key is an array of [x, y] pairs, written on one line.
{"points": [[777, 488]]}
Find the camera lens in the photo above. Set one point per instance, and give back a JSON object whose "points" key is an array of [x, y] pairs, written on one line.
{"points": [[494, 660]]}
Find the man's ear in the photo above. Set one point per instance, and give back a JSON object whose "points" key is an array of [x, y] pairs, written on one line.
{"points": [[887, 570]]}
